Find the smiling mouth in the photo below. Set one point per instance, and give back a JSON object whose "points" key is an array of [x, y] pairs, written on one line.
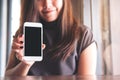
{"points": [[48, 11]]}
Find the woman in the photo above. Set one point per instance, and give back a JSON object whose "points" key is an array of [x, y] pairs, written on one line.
{"points": [[69, 48]]}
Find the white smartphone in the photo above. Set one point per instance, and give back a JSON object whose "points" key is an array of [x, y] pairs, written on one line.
{"points": [[33, 40]]}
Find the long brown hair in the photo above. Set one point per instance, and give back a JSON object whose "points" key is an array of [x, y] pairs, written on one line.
{"points": [[69, 26]]}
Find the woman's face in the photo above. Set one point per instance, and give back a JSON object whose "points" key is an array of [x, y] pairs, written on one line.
{"points": [[49, 9]]}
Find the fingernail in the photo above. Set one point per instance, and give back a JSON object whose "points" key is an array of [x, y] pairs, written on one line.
{"points": [[20, 35], [21, 42], [13, 36], [21, 47]]}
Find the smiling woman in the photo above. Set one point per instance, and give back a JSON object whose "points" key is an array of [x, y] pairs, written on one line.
{"points": [[70, 46], [89, 13]]}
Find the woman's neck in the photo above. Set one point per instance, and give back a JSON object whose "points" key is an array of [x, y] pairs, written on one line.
{"points": [[51, 25]]}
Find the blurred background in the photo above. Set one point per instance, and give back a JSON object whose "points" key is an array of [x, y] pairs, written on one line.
{"points": [[102, 16]]}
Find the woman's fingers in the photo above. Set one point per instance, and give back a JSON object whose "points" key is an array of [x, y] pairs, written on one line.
{"points": [[43, 46], [16, 45], [19, 38]]}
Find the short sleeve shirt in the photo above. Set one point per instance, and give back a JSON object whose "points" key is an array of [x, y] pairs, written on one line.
{"points": [[57, 67]]}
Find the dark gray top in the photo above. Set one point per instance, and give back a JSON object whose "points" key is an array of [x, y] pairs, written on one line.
{"points": [[57, 67]]}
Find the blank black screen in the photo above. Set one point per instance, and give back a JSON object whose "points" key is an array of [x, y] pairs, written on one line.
{"points": [[32, 41]]}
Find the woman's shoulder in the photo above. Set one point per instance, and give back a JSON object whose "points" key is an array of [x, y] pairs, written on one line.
{"points": [[84, 28], [85, 37], [85, 31]]}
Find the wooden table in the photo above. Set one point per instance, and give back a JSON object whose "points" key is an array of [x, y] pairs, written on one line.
{"points": [[62, 78]]}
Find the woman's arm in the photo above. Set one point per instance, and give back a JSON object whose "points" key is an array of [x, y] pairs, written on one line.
{"points": [[88, 60], [16, 65], [21, 69]]}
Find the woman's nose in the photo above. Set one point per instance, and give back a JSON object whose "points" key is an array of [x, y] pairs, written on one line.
{"points": [[47, 3]]}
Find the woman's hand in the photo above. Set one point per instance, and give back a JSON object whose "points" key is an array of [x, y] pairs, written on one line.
{"points": [[16, 64], [17, 50]]}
